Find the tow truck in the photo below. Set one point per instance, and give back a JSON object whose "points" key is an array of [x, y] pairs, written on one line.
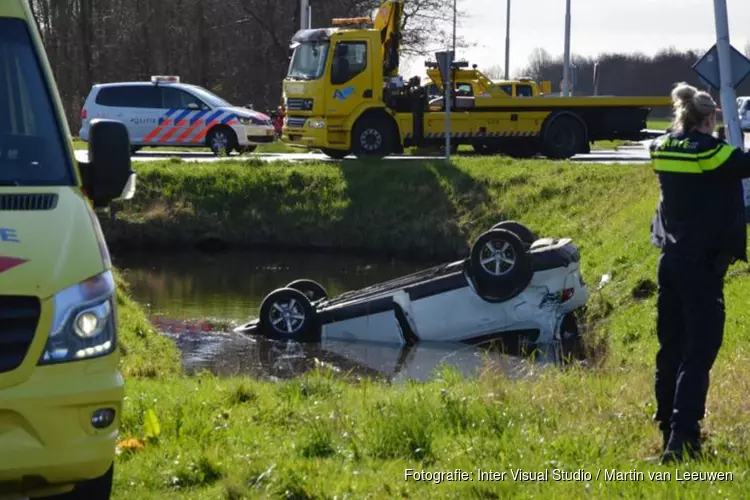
{"points": [[343, 94]]}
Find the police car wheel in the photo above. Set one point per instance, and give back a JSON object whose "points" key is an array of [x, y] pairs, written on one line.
{"points": [[221, 140], [500, 264], [287, 313]]}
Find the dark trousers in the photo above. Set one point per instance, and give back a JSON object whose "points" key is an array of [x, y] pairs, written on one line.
{"points": [[690, 328]]}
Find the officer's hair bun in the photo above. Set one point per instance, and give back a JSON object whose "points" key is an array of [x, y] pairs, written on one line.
{"points": [[691, 106]]}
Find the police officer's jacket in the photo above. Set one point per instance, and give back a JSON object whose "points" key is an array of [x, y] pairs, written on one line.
{"points": [[701, 211]]}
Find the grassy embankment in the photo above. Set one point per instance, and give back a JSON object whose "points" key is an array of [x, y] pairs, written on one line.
{"points": [[322, 437]]}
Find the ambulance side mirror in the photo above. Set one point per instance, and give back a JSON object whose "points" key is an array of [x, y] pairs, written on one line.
{"points": [[108, 175]]}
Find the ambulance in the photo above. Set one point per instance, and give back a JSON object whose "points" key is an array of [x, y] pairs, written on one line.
{"points": [[61, 391]]}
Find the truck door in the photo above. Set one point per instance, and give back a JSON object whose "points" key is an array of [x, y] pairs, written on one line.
{"points": [[350, 80]]}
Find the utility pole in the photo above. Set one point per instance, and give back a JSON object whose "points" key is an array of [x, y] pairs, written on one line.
{"points": [[735, 137], [304, 14], [507, 43], [454, 25], [566, 64]]}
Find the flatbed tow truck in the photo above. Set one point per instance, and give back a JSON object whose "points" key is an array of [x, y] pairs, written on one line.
{"points": [[343, 95]]}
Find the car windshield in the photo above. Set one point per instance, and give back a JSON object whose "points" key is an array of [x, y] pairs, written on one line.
{"points": [[209, 97], [32, 151], [308, 61]]}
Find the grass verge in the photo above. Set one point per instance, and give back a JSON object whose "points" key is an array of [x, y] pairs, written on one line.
{"points": [[144, 353], [322, 437]]}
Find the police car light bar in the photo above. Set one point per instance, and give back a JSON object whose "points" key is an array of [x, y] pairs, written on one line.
{"points": [[164, 78]]}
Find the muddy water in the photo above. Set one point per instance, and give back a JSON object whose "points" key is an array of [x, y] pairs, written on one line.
{"points": [[196, 298]]}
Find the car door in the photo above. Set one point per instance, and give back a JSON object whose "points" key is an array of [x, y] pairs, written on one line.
{"points": [[142, 110], [349, 77], [184, 111]]}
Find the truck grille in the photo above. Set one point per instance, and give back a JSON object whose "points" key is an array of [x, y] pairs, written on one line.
{"points": [[296, 121], [19, 317], [31, 201], [299, 104]]}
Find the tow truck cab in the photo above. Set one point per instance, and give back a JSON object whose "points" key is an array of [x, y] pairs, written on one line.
{"points": [[61, 389]]}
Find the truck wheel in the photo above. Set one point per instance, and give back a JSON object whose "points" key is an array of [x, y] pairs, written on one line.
{"points": [[526, 235], [500, 264], [312, 289], [222, 140], [563, 138], [99, 488], [287, 313], [336, 154], [372, 137]]}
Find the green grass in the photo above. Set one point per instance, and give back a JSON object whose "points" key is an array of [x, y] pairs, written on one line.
{"points": [[322, 436], [144, 353]]}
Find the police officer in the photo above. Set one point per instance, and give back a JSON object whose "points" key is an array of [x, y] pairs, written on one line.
{"points": [[700, 228]]}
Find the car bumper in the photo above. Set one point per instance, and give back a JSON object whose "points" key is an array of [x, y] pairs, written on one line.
{"points": [[46, 435], [250, 135], [304, 137]]}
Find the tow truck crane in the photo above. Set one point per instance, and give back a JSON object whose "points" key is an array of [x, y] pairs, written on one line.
{"points": [[343, 95]]}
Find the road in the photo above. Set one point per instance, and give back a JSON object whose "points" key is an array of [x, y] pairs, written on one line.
{"points": [[631, 154], [624, 154]]}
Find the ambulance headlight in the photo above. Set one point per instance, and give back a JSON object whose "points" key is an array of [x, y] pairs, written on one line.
{"points": [[83, 325]]}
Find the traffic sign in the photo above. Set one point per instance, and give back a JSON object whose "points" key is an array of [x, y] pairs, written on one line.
{"points": [[708, 67], [444, 60]]}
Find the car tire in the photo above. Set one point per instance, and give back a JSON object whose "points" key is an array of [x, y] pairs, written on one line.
{"points": [[221, 140], [564, 137], [527, 236], [299, 326], [99, 488], [312, 289], [500, 264], [372, 138], [336, 154]]}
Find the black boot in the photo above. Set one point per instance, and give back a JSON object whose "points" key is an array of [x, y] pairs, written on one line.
{"points": [[681, 442]]}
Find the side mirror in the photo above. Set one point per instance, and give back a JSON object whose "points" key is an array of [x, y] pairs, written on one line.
{"points": [[193, 106], [108, 174]]}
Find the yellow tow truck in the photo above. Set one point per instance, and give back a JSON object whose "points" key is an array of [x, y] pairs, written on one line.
{"points": [[61, 389], [343, 94]]}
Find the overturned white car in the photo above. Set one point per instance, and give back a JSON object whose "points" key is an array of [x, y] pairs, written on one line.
{"points": [[512, 283]]}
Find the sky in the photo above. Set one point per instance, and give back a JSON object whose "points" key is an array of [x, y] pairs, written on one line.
{"points": [[596, 26]]}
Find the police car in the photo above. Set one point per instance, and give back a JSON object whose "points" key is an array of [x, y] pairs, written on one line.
{"points": [[165, 112]]}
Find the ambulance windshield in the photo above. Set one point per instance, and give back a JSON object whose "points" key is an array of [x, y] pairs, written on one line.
{"points": [[308, 61], [32, 151]]}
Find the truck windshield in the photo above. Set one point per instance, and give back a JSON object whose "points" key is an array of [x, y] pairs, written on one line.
{"points": [[308, 61], [32, 151]]}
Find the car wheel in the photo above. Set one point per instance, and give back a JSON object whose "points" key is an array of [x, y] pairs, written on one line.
{"points": [[526, 235], [312, 289], [372, 137], [563, 138], [336, 154], [500, 264], [221, 140], [287, 313], [99, 488]]}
